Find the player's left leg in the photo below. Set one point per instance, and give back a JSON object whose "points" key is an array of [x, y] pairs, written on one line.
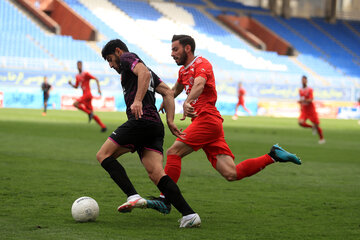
{"points": [[46, 97], [231, 172], [173, 161], [225, 165], [246, 109], [89, 106], [315, 119], [152, 162], [235, 117]]}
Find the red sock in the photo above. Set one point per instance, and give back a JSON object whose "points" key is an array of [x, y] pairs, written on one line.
{"points": [[253, 165], [97, 119], [83, 108], [173, 167], [319, 130], [305, 125]]}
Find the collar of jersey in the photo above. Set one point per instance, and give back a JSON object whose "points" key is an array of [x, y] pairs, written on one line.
{"points": [[191, 62]]}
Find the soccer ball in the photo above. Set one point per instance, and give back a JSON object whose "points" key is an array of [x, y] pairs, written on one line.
{"points": [[85, 209]]}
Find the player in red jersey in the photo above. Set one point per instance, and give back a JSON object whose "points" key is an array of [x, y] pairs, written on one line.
{"points": [[308, 111], [206, 132], [84, 102], [241, 101]]}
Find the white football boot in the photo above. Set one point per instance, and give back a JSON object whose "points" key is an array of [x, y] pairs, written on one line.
{"points": [[190, 221]]}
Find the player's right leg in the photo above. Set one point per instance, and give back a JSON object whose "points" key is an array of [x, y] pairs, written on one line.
{"points": [[107, 156], [173, 161], [79, 105], [302, 123]]}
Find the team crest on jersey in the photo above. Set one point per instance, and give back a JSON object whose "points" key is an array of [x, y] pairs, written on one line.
{"points": [[191, 81]]}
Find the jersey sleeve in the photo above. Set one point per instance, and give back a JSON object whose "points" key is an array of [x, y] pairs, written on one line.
{"points": [[89, 76], [128, 61], [202, 70], [156, 79]]}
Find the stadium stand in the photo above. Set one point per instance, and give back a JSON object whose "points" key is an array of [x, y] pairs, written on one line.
{"points": [[237, 5], [147, 27]]}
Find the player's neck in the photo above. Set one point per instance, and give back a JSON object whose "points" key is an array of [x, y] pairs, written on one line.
{"points": [[190, 61]]}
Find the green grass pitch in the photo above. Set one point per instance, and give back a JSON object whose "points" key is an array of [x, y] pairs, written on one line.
{"points": [[48, 162]]}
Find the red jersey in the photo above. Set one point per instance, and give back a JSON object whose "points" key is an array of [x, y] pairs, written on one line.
{"points": [[84, 80], [306, 94], [241, 94], [200, 67]]}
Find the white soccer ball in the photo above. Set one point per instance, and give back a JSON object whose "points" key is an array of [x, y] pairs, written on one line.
{"points": [[85, 209]]}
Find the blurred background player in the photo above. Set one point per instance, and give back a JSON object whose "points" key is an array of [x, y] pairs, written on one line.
{"points": [[206, 131], [84, 102], [142, 132], [308, 111], [46, 88], [241, 101]]}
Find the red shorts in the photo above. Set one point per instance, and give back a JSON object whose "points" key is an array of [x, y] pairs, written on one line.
{"points": [[86, 100], [313, 116], [206, 132], [241, 102]]}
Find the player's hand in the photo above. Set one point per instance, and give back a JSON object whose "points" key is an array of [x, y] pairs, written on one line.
{"points": [[99, 91], [69, 82], [136, 109], [189, 111], [175, 131], [162, 109]]}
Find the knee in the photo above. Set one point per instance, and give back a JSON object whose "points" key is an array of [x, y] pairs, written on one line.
{"points": [[100, 156], [176, 150], [172, 151], [155, 176], [230, 177]]}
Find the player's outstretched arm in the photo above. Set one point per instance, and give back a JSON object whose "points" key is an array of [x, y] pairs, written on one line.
{"points": [[169, 106], [177, 89], [71, 84], [98, 85]]}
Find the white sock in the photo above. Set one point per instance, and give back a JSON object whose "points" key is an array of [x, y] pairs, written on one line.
{"points": [[133, 197]]}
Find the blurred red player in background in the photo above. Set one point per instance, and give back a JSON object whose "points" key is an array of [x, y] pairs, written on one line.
{"points": [[308, 111], [84, 102]]}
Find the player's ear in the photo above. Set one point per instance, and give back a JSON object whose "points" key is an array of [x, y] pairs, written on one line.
{"points": [[187, 48], [118, 51]]}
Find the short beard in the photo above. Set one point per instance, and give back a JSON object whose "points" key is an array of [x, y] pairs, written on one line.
{"points": [[117, 60], [183, 59]]}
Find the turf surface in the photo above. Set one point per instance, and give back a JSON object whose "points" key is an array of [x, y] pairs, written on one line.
{"points": [[48, 162]]}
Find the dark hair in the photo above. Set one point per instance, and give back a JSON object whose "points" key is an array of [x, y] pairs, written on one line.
{"points": [[79, 61], [110, 47], [185, 40], [303, 76]]}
